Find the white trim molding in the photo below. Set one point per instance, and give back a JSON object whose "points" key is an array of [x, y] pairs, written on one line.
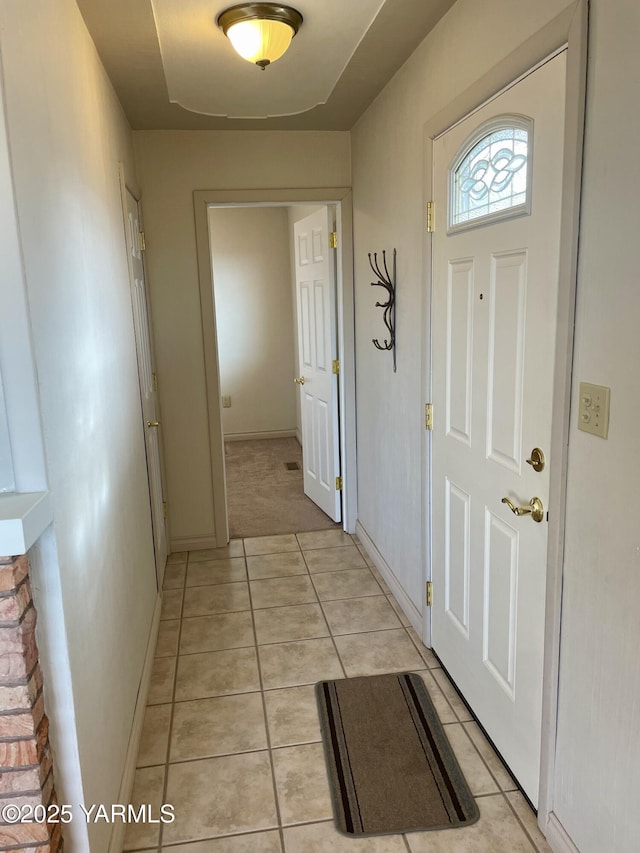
{"points": [[342, 199], [126, 786], [253, 436], [408, 607], [194, 543], [558, 838]]}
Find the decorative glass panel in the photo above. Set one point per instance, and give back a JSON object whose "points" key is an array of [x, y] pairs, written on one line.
{"points": [[491, 177]]}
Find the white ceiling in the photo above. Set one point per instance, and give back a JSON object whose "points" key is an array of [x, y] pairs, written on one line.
{"points": [[205, 75], [172, 67]]}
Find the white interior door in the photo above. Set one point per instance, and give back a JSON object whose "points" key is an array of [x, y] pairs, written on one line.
{"points": [[494, 319], [148, 384], [317, 349]]}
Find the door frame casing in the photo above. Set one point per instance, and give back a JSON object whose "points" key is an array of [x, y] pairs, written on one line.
{"points": [[567, 29], [341, 198], [124, 189]]}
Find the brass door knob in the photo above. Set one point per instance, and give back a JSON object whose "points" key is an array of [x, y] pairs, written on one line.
{"points": [[535, 508], [299, 380], [153, 423]]}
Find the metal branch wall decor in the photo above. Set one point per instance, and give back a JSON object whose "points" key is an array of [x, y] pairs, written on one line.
{"points": [[389, 315]]}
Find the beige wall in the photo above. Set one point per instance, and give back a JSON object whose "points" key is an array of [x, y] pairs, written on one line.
{"points": [[94, 581], [254, 318], [598, 760], [389, 196], [171, 165]]}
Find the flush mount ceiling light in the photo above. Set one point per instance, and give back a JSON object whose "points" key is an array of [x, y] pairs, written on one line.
{"points": [[260, 32]]}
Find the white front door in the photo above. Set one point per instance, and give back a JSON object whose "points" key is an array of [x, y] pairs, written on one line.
{"points": [[148, 385], [317, 350], [495, 284]]}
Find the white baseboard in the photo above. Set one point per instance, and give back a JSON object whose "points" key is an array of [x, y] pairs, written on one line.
{"points": [[557, 837], [408, 607], [126, 786], [250, 436], [299, 437], [194, 543]]}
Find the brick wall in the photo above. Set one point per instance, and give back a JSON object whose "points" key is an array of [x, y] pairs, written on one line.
{"points": [[26, 772]]}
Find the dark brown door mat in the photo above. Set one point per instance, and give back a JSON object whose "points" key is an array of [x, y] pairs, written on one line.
{"points": [[391, 767]]}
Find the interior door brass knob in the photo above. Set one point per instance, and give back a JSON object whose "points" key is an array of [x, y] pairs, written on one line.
{"points": [[299, 380], [153, 423], [535, 508]]}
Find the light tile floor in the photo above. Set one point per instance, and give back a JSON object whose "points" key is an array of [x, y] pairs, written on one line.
{"points": [[231, 736]]}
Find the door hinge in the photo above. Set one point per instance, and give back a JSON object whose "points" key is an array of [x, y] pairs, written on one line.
{"points": [[431, 217], [154, 379], [338, 484], [428, 415], [429, 594], [333, 240], [142, 243], [165, 510], [336, 366]]}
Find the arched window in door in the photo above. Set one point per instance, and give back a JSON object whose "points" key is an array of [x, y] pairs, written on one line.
{"points": [[490, 176]]}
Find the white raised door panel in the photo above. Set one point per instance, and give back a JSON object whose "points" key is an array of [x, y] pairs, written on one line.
{"points": [[494, 298], [500, 600], [317, 348], [507, 300], [457, 556], [459, 349]]}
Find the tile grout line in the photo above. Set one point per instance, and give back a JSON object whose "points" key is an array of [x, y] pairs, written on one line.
{"points": [[198, 758], [406, 627], [330, 634], [406, 841], [534, 846], [266, 719], [519, 819], [486, 765], [249, 832], [173, 701], [272, 606], [324, 616], [307, 572], [282, 606], [156, 704], [485, 762]]}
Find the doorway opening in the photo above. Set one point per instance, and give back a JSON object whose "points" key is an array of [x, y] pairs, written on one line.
{"points": [[258, 325], [267, 445]]}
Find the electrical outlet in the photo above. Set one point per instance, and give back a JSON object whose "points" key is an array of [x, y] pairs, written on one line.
{"points": [[593, 411], [226, 402]]}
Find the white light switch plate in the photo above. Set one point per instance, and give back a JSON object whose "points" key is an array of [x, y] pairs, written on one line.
{"points": [[593, 410]]}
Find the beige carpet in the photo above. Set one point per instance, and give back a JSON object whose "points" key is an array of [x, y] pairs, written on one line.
{"points": [[264, 497]]}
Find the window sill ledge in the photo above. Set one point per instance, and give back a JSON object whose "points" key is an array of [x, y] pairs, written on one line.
{"points": [[24, 516]]}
